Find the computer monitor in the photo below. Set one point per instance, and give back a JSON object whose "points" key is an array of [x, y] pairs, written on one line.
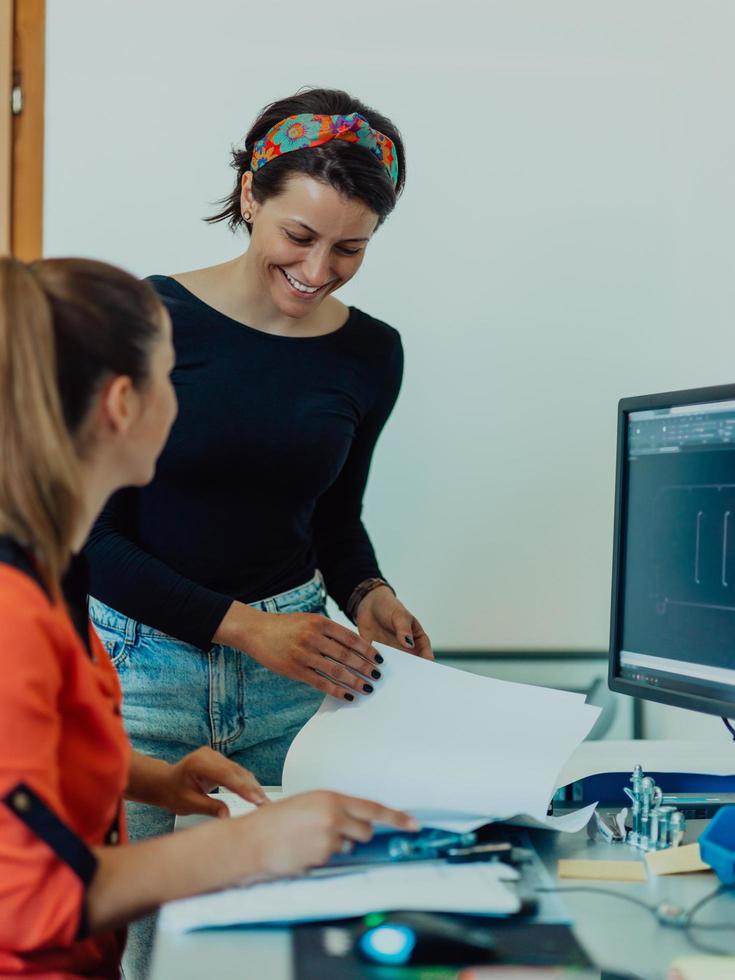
{"points": [[672, 635]]}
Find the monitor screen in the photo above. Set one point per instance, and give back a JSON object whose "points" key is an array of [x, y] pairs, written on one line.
{"points": [[673, 606]]}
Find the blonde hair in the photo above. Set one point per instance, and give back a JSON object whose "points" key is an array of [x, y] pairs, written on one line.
{"points": [[40, 493], [65, 325]]}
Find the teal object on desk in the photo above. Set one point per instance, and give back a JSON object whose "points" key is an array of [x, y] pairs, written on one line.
{"points": [[387, 944], [717, 844]]}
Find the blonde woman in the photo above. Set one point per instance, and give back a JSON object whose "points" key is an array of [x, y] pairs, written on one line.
{"points": [[86, 404]]}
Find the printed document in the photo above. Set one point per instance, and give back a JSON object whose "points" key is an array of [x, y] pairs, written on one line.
{"points": [[453, 748], [423, 886]]}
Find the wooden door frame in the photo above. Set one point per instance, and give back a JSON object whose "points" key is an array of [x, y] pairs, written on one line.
{"points": [[6, 123], [29, 63], [22, 80]]}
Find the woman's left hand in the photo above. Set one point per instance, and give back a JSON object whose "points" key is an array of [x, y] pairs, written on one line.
{"points": [[382, 618], [183, 787]]}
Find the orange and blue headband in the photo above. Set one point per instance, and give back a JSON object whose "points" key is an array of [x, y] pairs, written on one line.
{"points": [[298, 132]]}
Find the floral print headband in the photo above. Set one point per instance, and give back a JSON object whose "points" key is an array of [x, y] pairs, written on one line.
{"points": [[298, 132]]}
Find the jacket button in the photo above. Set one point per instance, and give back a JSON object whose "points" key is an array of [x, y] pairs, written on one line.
{"points": [[21, 802], [114, 837]]}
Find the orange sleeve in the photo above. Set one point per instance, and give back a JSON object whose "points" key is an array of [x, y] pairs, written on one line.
{"points": [[43, 864]]}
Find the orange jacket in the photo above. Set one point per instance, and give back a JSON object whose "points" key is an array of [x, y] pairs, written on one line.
{"points": [[64, 762]]}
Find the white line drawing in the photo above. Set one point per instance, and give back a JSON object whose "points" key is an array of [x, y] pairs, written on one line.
{"points": [[698, 605], [706, 520], [725, 525]]}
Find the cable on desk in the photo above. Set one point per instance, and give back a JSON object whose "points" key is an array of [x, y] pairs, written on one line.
{"points": [[729, 727], [705, 901], [602, 891], [690, 925], [686, 921]]}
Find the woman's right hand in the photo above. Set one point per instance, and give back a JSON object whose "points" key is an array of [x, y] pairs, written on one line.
{"points": [[305, 647], [275, 841], [304, 831]]}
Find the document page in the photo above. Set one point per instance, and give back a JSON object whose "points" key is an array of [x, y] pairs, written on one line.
{"points": [[455, 749], [425, 886], [654, 755]]}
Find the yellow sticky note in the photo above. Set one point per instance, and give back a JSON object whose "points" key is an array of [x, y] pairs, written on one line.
{"points": [[702, 967], [676, 860], [603, 870]]}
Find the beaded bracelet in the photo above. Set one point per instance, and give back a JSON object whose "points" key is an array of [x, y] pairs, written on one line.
{"points": [[359, 593]]}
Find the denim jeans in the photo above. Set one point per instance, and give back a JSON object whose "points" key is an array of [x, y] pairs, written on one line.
{"points": [[177, 698]]}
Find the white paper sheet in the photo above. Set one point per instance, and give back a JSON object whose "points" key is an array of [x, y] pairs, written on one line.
{"points": [[471, 888], [655, 755], [453, 748], [567, 821]]}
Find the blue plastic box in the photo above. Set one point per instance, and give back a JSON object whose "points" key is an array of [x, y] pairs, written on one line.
{"points": [[717, 844]]}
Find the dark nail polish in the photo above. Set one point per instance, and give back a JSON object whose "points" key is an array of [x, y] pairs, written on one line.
{"points": [[368, 688], [376, 674], [409, 640], [349, 697], [378, 659]]}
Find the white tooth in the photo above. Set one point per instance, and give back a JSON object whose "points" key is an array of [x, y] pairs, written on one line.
{"points": [[299, 285]]}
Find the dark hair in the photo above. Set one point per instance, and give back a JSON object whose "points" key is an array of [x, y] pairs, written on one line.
{"points": [[349, 168], [65, 325]]}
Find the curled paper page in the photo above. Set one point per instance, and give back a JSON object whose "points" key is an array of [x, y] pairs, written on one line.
{"points": [[455, 749], [566, 821]]}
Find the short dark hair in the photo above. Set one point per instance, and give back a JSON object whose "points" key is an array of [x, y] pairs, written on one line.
{"points": [[349, 168]]}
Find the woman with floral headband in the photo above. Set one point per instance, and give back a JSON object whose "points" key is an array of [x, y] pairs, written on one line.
{"points": [[255, 508]]}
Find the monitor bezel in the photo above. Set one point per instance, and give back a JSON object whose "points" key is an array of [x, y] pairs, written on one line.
{"points": [[669, 399]]}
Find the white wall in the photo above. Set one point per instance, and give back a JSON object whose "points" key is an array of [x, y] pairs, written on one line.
{"points": [[565, 239]]}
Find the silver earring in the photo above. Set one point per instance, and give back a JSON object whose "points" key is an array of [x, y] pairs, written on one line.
{"points": [[247, 216]]}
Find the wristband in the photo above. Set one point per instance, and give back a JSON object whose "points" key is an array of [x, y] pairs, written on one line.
{"points": [[359, 593]]}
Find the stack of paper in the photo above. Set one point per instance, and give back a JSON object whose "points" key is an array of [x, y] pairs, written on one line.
{"points": [[455, 749], [424, 886]]}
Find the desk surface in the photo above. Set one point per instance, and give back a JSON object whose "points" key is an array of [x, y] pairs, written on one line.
{"points": [[617, 934]]}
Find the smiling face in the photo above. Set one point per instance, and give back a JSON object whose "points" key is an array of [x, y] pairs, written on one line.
{"points": [[306, 242]]}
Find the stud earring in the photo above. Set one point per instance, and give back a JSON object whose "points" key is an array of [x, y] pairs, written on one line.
{"points": [[247, 216]]}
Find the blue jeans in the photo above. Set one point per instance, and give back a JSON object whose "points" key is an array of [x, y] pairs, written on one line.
{"points": [[178, 698]]}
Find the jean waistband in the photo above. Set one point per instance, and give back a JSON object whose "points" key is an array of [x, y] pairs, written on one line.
{"points": [[300, 593], [312, 591]]}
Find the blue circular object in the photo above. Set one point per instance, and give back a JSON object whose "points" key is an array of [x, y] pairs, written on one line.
{"points": [[388, 943]]}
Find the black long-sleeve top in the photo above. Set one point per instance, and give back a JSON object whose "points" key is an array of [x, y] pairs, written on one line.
{"points": [[263, 475]]}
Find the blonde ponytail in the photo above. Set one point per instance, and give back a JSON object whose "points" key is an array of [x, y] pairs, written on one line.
{"points": [[40, 491]]}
